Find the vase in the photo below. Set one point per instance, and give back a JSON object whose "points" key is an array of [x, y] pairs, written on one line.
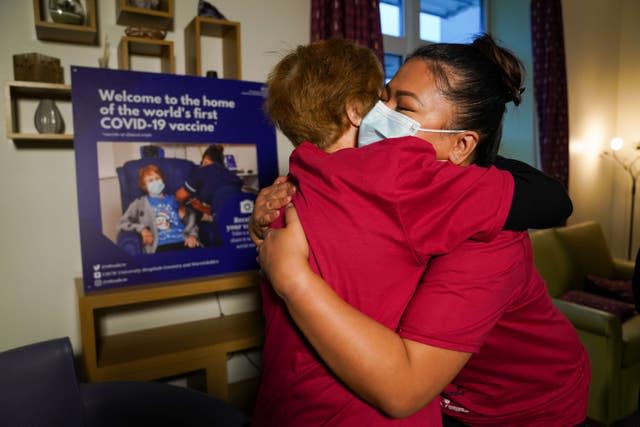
{"points": [[67, 11], [47, 118]]}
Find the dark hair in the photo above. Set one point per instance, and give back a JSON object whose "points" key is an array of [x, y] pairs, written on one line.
{"points": [[309, 89], [479, 79], [215, 153]]}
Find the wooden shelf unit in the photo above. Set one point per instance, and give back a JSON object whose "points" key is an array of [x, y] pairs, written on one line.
{"points": [[161, 18], [146, 47], [229, 34], [171, 350], [14, 91], [68, 33]]}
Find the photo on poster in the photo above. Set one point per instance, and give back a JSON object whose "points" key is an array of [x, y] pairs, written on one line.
{"points": [[196, 180], [168, 168]]}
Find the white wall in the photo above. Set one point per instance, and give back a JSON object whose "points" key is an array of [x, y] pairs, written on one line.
{"points": [[39, 243], [627, 123]]}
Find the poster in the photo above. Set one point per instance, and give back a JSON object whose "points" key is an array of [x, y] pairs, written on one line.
{"points": [[149, 209]]}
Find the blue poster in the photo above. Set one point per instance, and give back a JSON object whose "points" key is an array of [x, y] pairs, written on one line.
{"points": [[168, 168]]}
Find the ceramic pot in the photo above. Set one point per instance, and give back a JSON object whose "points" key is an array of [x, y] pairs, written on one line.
{"points": [[67, 11], [48, 118]]}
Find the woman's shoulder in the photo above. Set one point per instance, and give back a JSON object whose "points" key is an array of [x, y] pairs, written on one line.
{"points": [[388, 151], [402, 143], [139, 200], [502, 254]]}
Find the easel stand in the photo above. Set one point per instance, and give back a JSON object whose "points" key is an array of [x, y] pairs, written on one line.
{"points": [[168, 350]]}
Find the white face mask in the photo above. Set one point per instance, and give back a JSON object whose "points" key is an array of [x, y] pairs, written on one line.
{"points": [[382, 122], [155, 187]]}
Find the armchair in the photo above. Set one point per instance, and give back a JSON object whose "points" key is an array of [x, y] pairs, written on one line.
{"points": [[39, 387], [564, 256]]}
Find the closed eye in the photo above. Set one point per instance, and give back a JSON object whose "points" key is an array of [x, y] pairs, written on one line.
{"points": [[400, 108]]}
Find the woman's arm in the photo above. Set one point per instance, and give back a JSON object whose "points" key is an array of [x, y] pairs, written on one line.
{"points": [[539, 201], [397, 375], [183, 196], [130, 219]]}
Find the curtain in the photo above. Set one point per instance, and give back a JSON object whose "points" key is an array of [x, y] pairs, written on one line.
{"points": [[550, 87], [357, 20]]}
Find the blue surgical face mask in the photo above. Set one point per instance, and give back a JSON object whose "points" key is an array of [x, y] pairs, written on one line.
{"points": [[155, 187], [382, 122]]}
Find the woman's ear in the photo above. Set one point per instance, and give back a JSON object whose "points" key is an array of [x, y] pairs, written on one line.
{"points": [[463, 149], [353, 113]]}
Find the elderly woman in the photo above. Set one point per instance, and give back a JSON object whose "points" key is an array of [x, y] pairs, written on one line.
{"points": [[373, 218]]}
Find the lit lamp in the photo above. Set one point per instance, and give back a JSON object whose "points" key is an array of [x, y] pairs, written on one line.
{"points": [[616, 144]]}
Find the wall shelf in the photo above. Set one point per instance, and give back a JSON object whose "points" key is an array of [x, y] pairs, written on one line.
{"points": [[68, 33], [140, 17], [168, 350], [162, 49], [17, 90], [229, 34]]}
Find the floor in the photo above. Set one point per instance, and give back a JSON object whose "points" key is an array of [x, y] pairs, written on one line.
{"points": [[631, 421]]}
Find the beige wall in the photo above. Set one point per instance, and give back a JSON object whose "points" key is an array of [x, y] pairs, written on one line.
{"points": [[39, 238], [628, 116], [603, 54]]}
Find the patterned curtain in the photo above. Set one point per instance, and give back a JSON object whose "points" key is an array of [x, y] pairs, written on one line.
{"points": [[550, 86], [357, 20]]}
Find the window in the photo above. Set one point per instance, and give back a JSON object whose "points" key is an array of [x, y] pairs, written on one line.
{"points": [[391, 17], [408, 24], [450, 20], [391, 65]]}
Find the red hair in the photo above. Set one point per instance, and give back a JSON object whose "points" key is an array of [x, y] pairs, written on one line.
{"points": [[310, 88]]}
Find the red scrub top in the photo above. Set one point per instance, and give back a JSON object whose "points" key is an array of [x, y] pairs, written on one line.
{"points": [[373, 217], [528, 366]]}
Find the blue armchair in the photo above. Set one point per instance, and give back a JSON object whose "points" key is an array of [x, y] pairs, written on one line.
{"points": [[39, 387]]}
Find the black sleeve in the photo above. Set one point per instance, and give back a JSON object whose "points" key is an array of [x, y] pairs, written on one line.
{"points": [[539, 201]]}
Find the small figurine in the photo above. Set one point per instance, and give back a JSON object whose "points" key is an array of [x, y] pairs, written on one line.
{"points": [[103, 61]]}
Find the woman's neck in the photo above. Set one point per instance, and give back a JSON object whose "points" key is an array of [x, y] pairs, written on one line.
{"points": [[346, 140]]}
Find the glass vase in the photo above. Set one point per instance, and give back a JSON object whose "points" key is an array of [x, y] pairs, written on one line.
{"points": [[47, 118]]}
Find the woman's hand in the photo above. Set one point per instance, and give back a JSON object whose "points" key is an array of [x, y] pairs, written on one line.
{"points": [[267, 207], [147, 237], [191, 242], [284, 255]]}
